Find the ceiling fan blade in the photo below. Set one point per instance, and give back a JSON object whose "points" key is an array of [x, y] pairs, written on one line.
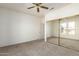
{"points": [[37, 4], [37, 9], [30, 7], [44, 7]]}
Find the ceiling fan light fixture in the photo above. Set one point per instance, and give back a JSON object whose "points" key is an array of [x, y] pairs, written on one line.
{"points": [[38, 6]]}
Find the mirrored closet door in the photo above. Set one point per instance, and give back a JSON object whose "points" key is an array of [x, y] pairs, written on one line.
{"points": [[64, 32], [52, 30], [69, 32]]}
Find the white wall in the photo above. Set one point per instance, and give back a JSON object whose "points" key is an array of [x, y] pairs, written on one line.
{"points": [[69, 10], [17, 27], [48, 29], [42, 27]]}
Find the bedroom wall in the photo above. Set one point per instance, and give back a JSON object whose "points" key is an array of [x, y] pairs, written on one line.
{"points": [[17, 27]]}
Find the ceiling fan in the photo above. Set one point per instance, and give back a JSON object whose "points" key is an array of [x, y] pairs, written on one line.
{"points": [[38, 6]]}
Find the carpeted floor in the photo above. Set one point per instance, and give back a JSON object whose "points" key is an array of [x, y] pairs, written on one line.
{"points": [[37, 48]]}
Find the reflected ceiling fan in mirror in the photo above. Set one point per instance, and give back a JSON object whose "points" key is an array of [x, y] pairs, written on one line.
{"points": [[38, 6]]}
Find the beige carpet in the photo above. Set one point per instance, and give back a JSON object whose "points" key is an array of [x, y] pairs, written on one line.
{"points": [[37, 48]]}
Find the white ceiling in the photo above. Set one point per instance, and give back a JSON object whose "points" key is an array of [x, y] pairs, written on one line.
{"points": [[23, 7]]}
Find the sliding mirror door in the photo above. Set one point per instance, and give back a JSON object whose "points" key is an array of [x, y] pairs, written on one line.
{"points": [[69, 32], [52, 31]]}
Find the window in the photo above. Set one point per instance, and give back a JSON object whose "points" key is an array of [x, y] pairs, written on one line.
{"points": [[68, 28]]}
